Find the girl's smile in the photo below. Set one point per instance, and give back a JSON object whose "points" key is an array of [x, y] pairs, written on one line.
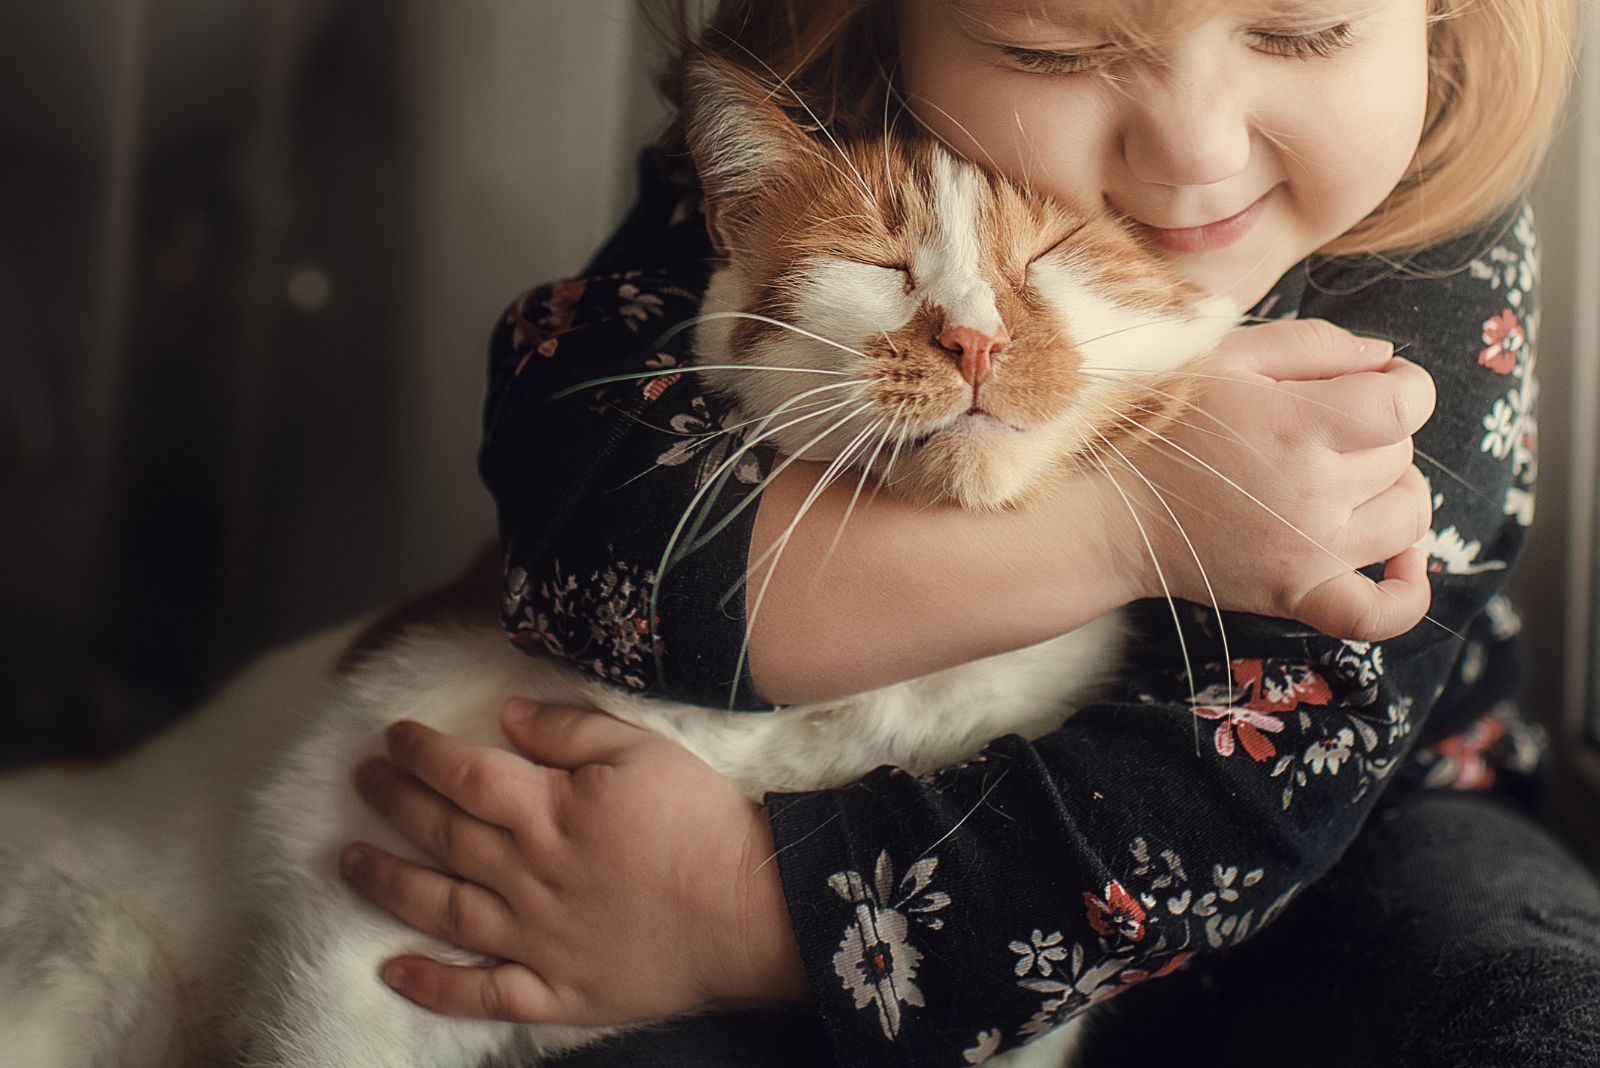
{"points": [[1243, 135], [1205, 237]]}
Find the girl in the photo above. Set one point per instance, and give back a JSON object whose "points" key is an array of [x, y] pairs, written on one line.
{"points": [[940, 920]]}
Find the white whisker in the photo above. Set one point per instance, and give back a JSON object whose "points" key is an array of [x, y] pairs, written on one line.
{"points": [[1266, 508], [1161, 576], [1227, 656]]}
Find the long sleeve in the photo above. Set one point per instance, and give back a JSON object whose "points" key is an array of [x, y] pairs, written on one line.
{"points": [[589, 392], [944, 918]]}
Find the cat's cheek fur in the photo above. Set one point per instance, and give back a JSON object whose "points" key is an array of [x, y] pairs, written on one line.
{"points": [[1122, 341]]}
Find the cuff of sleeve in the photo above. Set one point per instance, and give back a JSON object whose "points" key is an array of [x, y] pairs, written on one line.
{"points": [[852, 931]]}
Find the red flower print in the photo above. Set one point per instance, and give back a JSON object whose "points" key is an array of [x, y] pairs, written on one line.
{"points": [[539, 334], [1280, 686], [654, 387], [1246, 724], [1503, 339], [1462, 759], [1118, 913]]}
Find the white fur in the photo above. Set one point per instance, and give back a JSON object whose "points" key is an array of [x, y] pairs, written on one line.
{"points": [[208, 859], [1120, 341], [948, 269]]}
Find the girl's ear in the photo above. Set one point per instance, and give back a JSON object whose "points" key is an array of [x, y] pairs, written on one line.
{"points": [[741, 141]]}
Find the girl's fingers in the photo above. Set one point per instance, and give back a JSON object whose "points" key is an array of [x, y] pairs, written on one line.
{"points": [[1375, 471], [1368, 410], [454, 910], [460, 841], [560, 736], [1353, 606], [509, 992], [1390, 522], [1304, 350], [490, 783]]}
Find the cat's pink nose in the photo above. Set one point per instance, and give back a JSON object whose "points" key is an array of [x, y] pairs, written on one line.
{"points": [[975, 348]]}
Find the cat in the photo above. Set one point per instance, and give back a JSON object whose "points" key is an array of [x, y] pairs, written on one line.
{"points": [[183, 906]]}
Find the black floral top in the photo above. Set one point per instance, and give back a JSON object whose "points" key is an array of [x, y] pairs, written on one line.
{"points": [[948, 917]]}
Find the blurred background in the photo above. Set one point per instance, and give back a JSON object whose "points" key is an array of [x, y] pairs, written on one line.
{"points": [[250, 255]]}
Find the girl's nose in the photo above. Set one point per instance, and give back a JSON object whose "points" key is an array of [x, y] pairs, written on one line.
{"points": [[1186, 134]]}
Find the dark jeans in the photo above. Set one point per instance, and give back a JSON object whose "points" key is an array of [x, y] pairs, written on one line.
{"points": [[1453, 934]]}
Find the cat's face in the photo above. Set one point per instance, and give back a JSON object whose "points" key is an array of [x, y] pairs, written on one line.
{"points": [[970, 338]]}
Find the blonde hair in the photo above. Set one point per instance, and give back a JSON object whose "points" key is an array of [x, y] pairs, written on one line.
{"points": [[1497, 86]]}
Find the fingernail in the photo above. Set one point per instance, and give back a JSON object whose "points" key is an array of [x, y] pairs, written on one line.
{"points": [[353, 862], [395, 975]]}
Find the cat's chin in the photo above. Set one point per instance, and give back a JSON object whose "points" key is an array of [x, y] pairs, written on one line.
{"points": [[978, 462]]}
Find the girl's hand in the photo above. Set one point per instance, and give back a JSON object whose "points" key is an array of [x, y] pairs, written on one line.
{"points": [[1316, 425], [619, 877]]}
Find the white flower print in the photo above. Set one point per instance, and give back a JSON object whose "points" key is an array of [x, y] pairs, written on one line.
{"points": [[712, 439], [637, 307], [875, 962], [1519, 505], [1504, 619], [1364, 658], [1330, 753], [1514, 270], [1501, 427], [986, 1046], [878, 966], [1399, 718], [1039, 952], [1455, 555]]}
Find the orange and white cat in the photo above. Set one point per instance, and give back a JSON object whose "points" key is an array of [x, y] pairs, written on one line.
{"points": [[183, 907]]}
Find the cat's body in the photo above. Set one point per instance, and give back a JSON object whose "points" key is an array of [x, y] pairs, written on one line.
{"points": [[183, 907]]}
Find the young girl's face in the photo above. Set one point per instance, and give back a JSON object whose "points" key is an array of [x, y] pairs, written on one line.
{"points": [[1242, 134]]}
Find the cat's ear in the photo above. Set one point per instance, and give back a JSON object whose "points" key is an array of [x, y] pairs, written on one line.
{"points": [[741, 142]]}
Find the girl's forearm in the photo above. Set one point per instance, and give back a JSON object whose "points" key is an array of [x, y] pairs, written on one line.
{"points": [[910, 590]]}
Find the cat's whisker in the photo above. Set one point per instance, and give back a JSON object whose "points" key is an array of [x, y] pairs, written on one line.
{"points": [[836, 467], [1231, 435], [1340, 412], [839, 464], [1222, 630], [638, 376], [866, 473], [713, 484], [1268, 509], [900, 439], [1155, 560], [716, 480], [993, 166], [699, 541], [708, 437], [841, 218], [860, 180], [754, 317], [888, 133]]}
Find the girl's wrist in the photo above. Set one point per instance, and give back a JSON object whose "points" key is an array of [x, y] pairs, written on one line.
{"points": [[1103, 557], [764, 964]]}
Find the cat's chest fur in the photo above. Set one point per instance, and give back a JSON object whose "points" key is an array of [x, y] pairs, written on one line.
{"points": [[918, 725]]}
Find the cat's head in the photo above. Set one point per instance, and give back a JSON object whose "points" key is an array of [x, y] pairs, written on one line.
{"points": [[976, 335]]}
